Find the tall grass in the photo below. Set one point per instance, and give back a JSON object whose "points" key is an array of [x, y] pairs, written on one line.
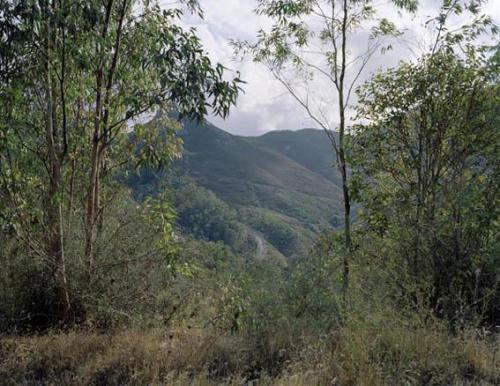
{"points": [[364, 352]]}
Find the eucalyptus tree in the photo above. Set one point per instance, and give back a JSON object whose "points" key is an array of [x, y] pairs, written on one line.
{"points": [[148, 62], [426, 166], [313, 41], [75, 77]]}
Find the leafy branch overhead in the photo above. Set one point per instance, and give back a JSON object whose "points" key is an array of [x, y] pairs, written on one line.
{"points": [[76, 77]]}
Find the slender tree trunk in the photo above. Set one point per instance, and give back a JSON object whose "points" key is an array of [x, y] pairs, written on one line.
{"points": [[71, 196], [341, 158], [55, 245], [347, 213], [53, 208], [93, 190], [97, 153]]}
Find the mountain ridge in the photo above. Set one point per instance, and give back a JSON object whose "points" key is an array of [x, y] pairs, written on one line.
{"points": [[280, 177], [272, 193]]}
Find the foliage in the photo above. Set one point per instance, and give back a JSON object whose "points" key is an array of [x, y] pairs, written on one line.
{"points": [[282, 234], [308, 46], [427, 176], [185, 284], [75, 78], [206, 217], [312, 290]]}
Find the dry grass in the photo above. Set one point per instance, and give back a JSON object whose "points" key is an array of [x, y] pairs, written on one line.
{"points": [[365, 355], [131, 357], [361, 355]]}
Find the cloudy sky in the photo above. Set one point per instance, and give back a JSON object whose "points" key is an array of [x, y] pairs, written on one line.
{"points": [[265, 105]]}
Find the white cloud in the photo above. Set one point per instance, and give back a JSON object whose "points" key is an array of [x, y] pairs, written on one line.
{"points": [[265, 105]]}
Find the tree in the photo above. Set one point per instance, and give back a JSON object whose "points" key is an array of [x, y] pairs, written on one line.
{"points": [[311, 40], [75, 78], [426, 170]]}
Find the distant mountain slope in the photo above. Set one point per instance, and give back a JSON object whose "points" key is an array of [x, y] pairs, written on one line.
{"points": [[308, 147], [282, 184], [270, 195], [211, 152]]}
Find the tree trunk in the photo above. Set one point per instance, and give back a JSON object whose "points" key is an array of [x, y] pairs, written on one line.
{"points": [[347, 205], [347, 220], [53, 208], [93, 194], [55, 245], [342, 161], [97, 153]]}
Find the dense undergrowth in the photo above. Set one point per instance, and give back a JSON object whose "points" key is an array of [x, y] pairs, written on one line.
{"points": [[231, 320], [165, 285], [366, 353]]}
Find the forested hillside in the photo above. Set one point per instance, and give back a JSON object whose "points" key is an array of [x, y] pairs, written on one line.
{"points": [[282, 186], [249, 172]]}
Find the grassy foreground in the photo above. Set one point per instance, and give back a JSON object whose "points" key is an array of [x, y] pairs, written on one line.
{"points": [[359, 355]]}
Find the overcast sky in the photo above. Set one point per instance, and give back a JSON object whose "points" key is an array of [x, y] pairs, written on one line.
{"points": [[265, 105]]}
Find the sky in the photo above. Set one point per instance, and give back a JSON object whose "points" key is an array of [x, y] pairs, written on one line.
{"points": [[265, 105]]}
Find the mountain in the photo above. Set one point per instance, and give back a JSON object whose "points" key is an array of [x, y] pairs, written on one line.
{"points": [[269, 195], [308, 147], [282, 184]]}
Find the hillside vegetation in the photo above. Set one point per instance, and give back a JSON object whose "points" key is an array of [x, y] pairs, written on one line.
{"points": [[281, 186], [266, 182], [141, 245]]}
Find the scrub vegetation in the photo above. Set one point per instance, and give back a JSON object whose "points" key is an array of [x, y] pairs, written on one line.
{"points": [[141, 245]]}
